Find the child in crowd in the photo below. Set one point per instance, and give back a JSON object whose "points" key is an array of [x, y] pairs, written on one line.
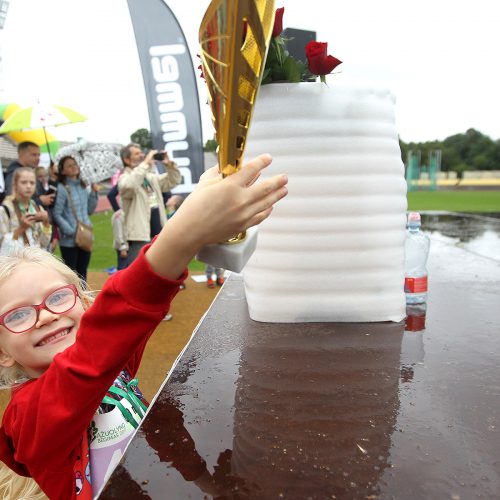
{"points": [[43, 178], [48, 185], [22, 221], [120, 242], [53, 174], [70, 358], [172, 204], [52, 189]]}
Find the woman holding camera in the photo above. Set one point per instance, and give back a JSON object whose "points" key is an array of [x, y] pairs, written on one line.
{"points": [[73, 203], [140, 191], [22, 221]]}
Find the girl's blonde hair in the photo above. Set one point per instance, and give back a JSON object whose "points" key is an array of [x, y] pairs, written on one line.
{"points": [[12, 486], [8, 264]]}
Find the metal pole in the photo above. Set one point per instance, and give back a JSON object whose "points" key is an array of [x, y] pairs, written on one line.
{"points": [[47, 143]]}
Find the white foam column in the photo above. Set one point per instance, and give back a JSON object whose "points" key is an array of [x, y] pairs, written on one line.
{"points": [[332, 250]]}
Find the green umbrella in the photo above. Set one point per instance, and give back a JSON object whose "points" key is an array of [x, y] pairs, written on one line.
{"points": [[41, 116]]}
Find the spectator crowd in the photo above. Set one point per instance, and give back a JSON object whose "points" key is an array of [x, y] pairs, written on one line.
{"points": [[48, 207]]}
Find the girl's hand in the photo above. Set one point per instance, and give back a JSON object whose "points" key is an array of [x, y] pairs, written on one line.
{"points": [[41, 216], [26, 222], [221, 208], [217, 210]]}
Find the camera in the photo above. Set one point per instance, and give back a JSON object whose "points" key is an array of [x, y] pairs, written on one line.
{"points": [[159, 156]]}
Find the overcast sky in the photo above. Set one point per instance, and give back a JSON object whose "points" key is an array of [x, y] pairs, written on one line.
{"points": [[439, 57]]}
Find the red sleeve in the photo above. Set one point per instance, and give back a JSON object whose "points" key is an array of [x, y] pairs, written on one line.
{"points": [[53, 412]]}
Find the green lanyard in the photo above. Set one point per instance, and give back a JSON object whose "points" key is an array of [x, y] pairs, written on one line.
{"points": [[146, 184], [129, 395], [124, 411], [31, 207]]}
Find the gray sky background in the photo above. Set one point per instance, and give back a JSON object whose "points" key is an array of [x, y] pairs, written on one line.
{"points": [[439, 57]]}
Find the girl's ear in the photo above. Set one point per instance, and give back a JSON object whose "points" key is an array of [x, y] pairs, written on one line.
{"points": [[6, 360]]}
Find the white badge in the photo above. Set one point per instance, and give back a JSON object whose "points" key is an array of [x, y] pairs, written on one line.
{"points": [[153, 201]]}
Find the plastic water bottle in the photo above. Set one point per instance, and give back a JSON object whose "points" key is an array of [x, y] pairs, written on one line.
{"points": [[415, 317], [416, 253]]}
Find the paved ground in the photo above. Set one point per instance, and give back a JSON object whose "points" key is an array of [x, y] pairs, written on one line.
{"points": [[170, 336], [337, 410]]}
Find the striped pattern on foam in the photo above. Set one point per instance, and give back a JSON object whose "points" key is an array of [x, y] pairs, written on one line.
{"points": [[333, 248]]}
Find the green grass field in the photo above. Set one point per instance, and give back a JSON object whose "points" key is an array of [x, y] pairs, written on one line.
{"points": [[104, 256], [455, 201]]}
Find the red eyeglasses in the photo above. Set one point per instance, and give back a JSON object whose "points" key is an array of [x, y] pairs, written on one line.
{"points": [[21, 319]]}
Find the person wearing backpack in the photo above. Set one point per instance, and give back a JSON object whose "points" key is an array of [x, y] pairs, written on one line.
{"points": [[22, 221]]}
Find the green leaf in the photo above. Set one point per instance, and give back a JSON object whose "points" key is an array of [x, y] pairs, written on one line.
{"points": [[266, 76], [278, 74], [291, 70], [272, 57]]}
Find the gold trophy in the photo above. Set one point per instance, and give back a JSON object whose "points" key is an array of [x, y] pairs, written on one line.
{"points": [[234, 38]]}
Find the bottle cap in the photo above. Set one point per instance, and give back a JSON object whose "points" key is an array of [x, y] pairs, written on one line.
{"points": [[414, 219]]}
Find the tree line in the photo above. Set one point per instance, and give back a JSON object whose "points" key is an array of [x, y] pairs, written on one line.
{"points": [[460, 152], [142, 136]]}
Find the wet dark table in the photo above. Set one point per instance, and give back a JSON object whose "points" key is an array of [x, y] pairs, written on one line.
{"points": [[329, 410]]}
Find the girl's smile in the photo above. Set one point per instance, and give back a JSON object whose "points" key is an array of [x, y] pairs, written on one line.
{"points": [[52, 338], [52, 334]]}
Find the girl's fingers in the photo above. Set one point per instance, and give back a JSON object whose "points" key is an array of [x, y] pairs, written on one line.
{"points": [[211, 173], [258, 218], [269, 200], [268, 186], [254, 180], [209, 177], [245, 175]]}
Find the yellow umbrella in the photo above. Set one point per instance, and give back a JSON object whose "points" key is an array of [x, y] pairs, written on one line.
{"points": [[41, 116]]}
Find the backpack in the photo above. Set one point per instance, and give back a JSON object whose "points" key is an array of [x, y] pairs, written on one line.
{"points": [[7, 211]]}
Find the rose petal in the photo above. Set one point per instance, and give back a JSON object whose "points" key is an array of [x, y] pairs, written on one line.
{"points": [[319, 62], [278, 22]]}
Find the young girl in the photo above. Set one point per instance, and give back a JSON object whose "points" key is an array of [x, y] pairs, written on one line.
{"points": [[73, 197], [22, 221], [43, 178], [63, 354]]}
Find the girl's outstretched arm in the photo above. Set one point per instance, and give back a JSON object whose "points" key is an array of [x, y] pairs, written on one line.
{"points": [[216, 211]]}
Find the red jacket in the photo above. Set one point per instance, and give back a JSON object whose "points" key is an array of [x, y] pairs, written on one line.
{"points": [[43, 425]]}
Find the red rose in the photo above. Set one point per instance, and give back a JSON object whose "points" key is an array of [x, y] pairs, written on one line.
{"points": [[319, 62], [278, 22]]}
